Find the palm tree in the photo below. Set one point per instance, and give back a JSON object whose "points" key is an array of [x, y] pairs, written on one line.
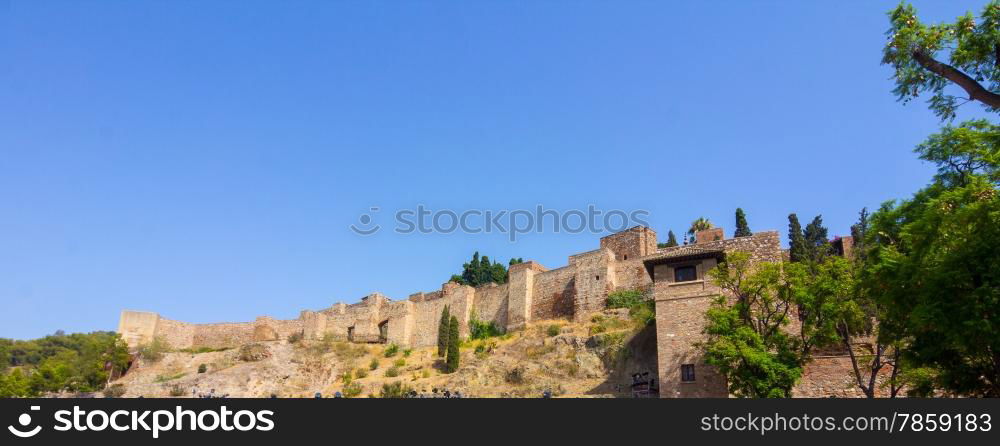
{"points": [[700, 224]]}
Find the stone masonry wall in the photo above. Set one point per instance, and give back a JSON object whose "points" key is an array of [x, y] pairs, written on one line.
{"points": [[553, 294]]}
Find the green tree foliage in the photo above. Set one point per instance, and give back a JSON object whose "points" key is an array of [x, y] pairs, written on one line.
{"points": [[750, 338], [933, 263], [816, 241], [746, 340], [701, 224], [796, 241], [481, 271], [76, 362], [452, 360], [742, 228], [671, 241], [859, 233], [443, 326], [480, 329], [928, 58]]}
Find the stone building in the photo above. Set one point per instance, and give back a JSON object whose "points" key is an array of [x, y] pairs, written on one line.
{"points": [[675, 277]]}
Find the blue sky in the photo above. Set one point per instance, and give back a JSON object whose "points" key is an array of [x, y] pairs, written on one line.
{"points": [[204, 160]]}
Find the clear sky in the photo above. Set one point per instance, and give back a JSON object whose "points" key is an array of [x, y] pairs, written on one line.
{"points": [[204, 159]]}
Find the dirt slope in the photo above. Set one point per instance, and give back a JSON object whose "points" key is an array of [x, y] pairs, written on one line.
{"points": [[588, 359]]}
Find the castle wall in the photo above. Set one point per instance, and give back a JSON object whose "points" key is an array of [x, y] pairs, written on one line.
{"points": [[631, 275], [175, 334], [593, 280], [553, 293], [490, 304]]}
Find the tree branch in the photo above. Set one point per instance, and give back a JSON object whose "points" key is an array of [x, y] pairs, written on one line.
{"points": [[973, 88]]}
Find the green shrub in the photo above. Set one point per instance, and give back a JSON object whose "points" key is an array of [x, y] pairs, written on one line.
{"points": [[154, 350], [373, 364], [553, 330], [643, 314], [395, 390], [176, 390], [399, 363], [625, 298], [352, 390], [361, 372], [484, 348], [295, 337], [114, 391], [392, 372], [202, 368], [481, 329], [391, 350], [603, 324], [347, 377], [407, 352]]}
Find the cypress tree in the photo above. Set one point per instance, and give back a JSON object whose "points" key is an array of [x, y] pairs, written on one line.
{"points": [[742, 229], [859, 232], [671, 241], [817, 244], [796, 241], [452, 359], [443, 328]]}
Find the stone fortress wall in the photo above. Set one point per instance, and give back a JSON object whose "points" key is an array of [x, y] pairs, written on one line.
{"points": [[626, 260], [532, 292]]}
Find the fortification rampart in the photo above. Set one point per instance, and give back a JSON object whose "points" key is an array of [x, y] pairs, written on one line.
{"points": [[532, 292]]}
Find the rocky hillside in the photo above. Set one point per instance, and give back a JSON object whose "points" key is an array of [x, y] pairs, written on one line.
{"points": [[595, 358]]}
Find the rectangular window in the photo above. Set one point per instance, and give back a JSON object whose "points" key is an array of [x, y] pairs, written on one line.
{"points": [[687, 373], [685, 273]]}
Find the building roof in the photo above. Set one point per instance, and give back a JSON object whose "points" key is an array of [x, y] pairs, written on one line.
{"points": [[683, 253]]}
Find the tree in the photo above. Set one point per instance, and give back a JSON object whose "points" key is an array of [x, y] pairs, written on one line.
{"points": [[916, 50], [816, 242], [451, 363], [859, 234], [481, 271], [860, 317], [933, 263], [742, 228], [443, 327], [796, 242], [671, 241], [701, 224], [14, 385], [747, 341]]}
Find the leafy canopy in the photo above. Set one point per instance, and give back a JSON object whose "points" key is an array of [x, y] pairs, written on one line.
{"points": [[929, 58]]}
